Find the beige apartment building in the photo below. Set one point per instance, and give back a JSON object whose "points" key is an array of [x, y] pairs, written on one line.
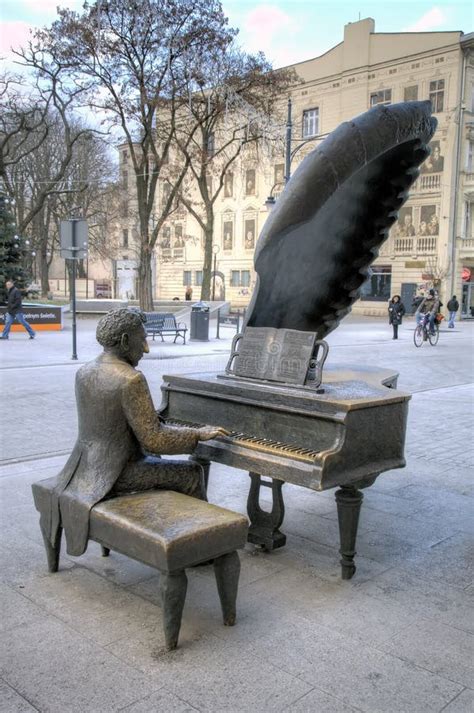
{"points": [[431, 244]]}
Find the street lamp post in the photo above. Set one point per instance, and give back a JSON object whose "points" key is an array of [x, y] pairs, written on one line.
{"points": [[215, 250]]}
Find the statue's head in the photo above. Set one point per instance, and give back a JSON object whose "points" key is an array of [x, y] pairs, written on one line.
{"points": [[121, 332]]}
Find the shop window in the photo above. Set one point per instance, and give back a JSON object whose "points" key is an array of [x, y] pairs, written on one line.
{"points": [[377, 287]]}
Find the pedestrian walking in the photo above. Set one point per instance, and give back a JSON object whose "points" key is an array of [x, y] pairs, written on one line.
{"points": [[396, 310], [453, 306], [14, 311]]}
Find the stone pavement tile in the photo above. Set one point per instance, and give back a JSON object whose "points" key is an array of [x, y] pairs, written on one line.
{"points": [[312, 557], [441, 504], [23, 561], [316, 701], [59, 671], [431, 599], [12, 702], [341, 664], [439, 648], [161, 701], [212, 675], [117, 568], [310, 526], [450, 561], [99, 610], [415, 530], [16, 609], [341, 608], [464, 703]]}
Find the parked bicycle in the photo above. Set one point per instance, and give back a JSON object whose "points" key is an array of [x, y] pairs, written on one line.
{"points": [[423, 332]]}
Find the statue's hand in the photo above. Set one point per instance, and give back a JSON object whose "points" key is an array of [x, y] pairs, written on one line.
{"points": [[209, 432]]}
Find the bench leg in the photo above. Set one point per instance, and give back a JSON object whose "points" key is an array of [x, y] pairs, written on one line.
{"points": [[105, 551], [173, 586], [52, 549], [227, 571]]}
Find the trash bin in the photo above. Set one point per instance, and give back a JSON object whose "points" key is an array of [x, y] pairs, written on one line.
{"points": [[200, 321]]}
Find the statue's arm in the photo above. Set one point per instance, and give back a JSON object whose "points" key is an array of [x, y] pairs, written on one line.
{"points": [[153, 435]]}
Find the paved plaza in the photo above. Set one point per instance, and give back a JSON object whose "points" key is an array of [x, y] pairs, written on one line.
{"points": [[396, 638]]}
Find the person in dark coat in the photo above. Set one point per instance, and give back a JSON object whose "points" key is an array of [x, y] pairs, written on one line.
{"points": [[121, 437], [396, 310], [14, 311], [453, 306]]}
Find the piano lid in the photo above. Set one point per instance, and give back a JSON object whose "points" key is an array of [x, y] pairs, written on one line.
{"points": [[345, 389]]}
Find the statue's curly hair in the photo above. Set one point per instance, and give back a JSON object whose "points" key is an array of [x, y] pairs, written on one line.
{"points": [[117, 322]]}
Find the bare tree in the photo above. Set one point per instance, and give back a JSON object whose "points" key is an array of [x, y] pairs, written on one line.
{"points": [[231, 99], [130, 57]]}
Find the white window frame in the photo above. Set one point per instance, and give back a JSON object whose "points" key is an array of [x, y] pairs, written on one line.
{"points": [[310, 125], [382, 96]]}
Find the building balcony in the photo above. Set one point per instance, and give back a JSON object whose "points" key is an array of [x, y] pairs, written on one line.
{"points": [[171, 254], [427, 183], [468, 179], [465, 246], [419, 245]]}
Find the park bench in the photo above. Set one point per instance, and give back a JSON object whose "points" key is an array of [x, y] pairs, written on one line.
{"points": [[168, 531], [163, 324]]}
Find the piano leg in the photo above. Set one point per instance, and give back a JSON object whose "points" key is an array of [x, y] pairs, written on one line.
{"points": [[349, 501], [264, 526]]}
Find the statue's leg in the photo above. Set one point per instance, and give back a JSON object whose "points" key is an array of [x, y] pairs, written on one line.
{"points": [[53, 549], [227, 571], [264, 526], [349, 501], [206, 466], [173, 586], [150, 473]]}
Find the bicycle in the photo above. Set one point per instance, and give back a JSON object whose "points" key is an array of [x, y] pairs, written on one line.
{"points": [[423, 333]]}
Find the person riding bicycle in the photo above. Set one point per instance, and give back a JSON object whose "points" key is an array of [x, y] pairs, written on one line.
{"points": [[429, 306]]}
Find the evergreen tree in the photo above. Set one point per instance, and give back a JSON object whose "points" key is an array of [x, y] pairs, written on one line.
{"points": [[12, 249]]}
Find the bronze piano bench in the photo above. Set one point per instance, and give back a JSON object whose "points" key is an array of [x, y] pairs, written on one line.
{"points": [[168, 531]]}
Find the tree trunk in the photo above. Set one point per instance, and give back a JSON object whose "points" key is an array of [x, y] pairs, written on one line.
{"points": [[44, 274], [206, 289], [144, 287]]}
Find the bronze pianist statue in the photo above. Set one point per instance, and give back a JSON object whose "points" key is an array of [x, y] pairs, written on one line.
{"points": [[311, 260]]}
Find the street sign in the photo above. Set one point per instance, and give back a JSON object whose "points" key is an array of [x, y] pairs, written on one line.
{"points": [[73, 235]]}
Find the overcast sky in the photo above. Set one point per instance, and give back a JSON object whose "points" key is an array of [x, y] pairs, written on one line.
{"points": [[286, 30]]}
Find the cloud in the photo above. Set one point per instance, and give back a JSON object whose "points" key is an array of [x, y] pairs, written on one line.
{"points": [[270, 29], [436, 17], [14, 34]]}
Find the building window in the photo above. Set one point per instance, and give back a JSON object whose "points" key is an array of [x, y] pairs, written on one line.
{"points": [[240, 278], [198, 278], [124, 155], [228, 185], [125, 180], [415, 65], [351, 80], [384, 96], [437, 95], [166, 237], [377, 288], [125, 238], [279, 174], [228, 235], [392, 71], [336, 84], [211, 145], [124, 208], [250, 182], [186, 278], [439, 59], [410, 94], [470, 157], [310, 123], [249, 234], [371, 76]]}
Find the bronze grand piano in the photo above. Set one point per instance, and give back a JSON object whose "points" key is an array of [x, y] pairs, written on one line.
{"points": [[344, 437]]}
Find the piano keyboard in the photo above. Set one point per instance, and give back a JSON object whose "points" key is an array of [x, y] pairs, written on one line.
{"points": [[265, 445]]}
